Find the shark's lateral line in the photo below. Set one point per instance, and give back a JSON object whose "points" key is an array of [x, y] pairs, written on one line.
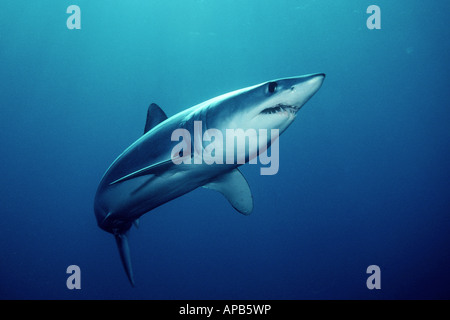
{"points": [[144, 176]]}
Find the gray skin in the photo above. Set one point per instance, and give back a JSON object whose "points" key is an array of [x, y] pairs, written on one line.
{"points": [[133, 185]]}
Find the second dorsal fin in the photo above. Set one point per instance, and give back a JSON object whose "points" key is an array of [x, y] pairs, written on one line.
{"points": [[155, 116]]}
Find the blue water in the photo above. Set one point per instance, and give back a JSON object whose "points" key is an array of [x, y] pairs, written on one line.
{"points": [[364, 173]]}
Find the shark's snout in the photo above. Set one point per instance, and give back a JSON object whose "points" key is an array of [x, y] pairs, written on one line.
{"points": [[303, 88], [310, 83], [316, 81]]}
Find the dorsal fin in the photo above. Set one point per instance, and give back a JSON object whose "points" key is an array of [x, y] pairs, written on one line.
{"points": [[235, 188], [155, 116]]}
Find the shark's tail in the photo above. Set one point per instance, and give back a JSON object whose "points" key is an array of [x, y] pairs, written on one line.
{"points": [[124, 250]]}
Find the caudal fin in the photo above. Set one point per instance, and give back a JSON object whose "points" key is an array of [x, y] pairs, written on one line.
{"points": [[124, 250]]}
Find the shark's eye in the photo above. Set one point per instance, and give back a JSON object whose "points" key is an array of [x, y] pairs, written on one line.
{"points": [[272, 87]]}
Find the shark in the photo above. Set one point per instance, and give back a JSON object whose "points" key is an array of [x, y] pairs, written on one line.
{"points": [[149, 173]]}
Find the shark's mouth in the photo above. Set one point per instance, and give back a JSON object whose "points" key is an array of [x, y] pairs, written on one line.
{"points": [[281, 109]]}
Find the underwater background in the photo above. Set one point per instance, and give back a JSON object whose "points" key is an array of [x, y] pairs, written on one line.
{"points": [[364, 175]]}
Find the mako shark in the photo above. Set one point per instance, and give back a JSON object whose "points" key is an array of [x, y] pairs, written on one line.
{"points": [[146, 176]]}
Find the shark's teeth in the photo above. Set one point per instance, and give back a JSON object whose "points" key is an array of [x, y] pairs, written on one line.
{"points": [[281, 109]]}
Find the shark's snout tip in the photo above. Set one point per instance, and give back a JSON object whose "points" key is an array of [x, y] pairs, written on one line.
{"points": [[318, 79]]}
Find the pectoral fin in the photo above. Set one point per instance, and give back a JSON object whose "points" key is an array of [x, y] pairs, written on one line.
{"points": [[235, 188], [152, 169]]}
